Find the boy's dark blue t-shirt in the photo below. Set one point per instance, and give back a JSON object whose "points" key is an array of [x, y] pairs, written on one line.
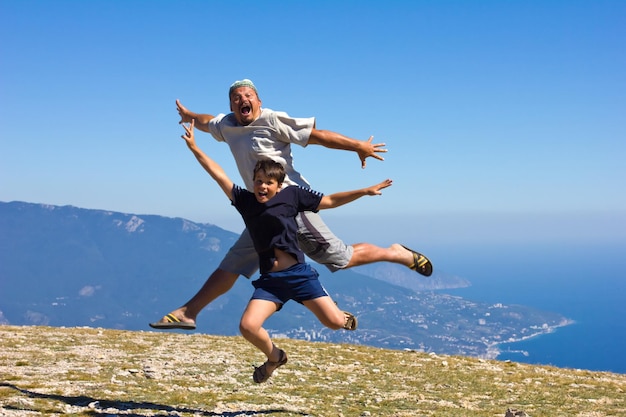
{"points": [[273, 224]]}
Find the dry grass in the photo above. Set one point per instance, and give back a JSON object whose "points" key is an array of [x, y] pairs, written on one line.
{"points": [[86, 372]]}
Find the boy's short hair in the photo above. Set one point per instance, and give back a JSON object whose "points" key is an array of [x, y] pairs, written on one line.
{"points": [[271, 168]]}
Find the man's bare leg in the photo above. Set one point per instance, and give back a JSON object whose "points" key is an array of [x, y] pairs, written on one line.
{"points": [[366, 253], [218, 283]]}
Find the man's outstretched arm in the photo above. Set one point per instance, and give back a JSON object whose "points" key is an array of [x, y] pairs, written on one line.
{"points": [[333, 140], [201, 121]]}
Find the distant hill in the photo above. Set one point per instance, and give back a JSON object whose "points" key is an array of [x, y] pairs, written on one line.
{"points": [[67, 266]]}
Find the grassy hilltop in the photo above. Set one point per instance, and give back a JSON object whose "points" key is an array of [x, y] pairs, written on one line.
{"points": [[87, 372]]}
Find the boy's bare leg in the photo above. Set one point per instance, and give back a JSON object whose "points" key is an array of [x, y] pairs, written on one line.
{"points": [[326, 312], [218, 283], [251, 327]]}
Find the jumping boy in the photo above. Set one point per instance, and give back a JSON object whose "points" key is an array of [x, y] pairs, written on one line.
{"points": [[270, 216]]}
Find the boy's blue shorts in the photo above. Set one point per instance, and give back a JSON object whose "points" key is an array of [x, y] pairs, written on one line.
{"points": [[299, 283]]}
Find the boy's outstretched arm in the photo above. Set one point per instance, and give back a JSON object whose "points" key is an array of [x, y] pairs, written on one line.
{"points": [[345, 197], [212, 167]]}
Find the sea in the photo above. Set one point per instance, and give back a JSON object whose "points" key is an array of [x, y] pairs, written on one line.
{"points": [[584, 282]]}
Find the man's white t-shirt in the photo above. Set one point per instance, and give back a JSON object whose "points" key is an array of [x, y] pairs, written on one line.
{"points": [[268, 137]]}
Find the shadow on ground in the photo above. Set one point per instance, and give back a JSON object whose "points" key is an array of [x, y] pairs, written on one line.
{"points": [[103, 404]]}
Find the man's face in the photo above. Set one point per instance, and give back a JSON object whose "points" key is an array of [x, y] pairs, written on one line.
{"points": [[245, 104], [265, 187]]}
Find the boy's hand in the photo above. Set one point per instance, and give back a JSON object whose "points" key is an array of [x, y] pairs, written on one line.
{"points": [[188, 136], [375, 189]]}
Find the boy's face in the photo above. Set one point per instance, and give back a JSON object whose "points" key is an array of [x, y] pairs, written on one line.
{"points": [[245, 105], [265, 188]]}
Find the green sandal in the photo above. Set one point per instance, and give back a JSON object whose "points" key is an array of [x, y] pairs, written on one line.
{"points": [[262, 374]]}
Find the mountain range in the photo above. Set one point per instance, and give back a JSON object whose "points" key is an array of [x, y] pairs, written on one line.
{"points": [[69, 266]]}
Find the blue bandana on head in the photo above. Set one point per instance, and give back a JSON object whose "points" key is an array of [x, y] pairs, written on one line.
{"points": [[241, 83]]}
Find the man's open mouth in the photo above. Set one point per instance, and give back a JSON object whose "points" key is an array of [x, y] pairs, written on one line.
{"points": [[245, 110]]}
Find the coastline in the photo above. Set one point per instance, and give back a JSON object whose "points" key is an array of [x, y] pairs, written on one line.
{"points": [[493, 350]]}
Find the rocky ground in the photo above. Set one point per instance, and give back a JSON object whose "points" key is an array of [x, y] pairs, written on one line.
{"points": [[86, 371]]}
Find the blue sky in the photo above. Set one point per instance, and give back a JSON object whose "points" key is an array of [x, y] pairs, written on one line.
{"points": [[504, 120]]}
